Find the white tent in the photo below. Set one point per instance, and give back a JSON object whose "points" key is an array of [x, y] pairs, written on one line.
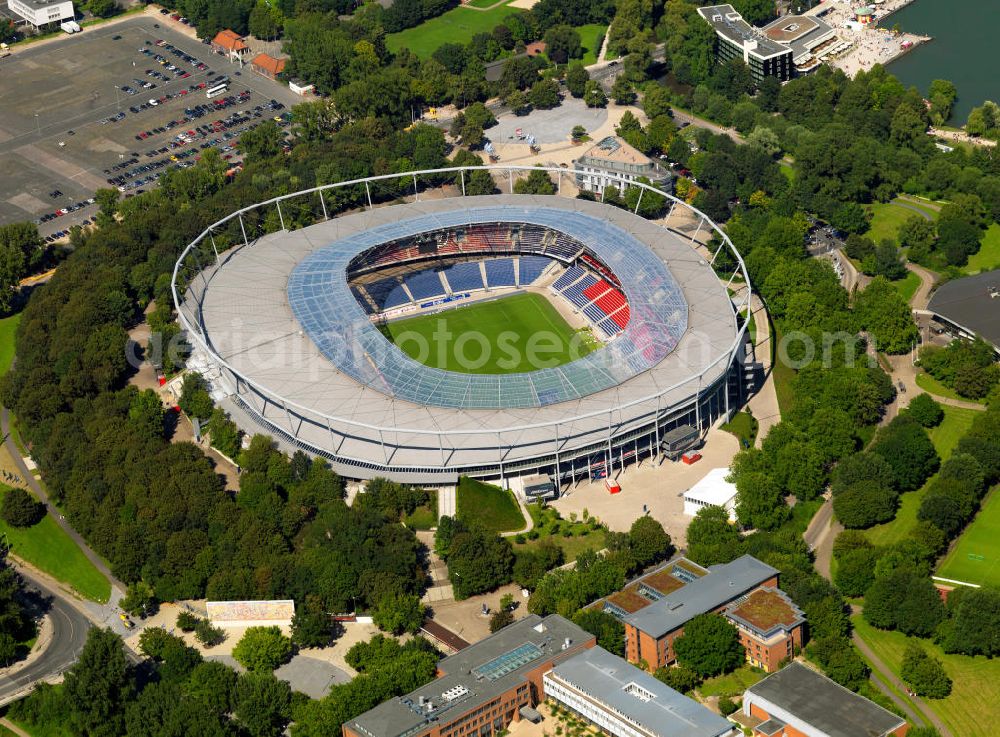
{"points": [[712, 490]]}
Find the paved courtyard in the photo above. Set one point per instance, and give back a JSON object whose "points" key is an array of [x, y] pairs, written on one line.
{"points": [[549, 126], [660, 487]]}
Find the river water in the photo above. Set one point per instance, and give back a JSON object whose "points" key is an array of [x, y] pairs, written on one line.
{"points": [[965, 49]]}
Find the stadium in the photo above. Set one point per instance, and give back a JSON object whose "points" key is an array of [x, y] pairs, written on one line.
{"points": [[438, 335]]}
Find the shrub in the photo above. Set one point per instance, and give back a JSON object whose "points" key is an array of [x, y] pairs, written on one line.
{"points": [[924, 673], [208, 635], [186, 621], [727, 706], [925, 410]]}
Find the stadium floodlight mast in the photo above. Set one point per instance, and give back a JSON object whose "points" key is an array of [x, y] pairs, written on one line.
{"points": [[193, 325]]}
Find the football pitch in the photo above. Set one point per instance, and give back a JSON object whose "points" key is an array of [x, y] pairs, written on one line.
{"points": [[515, 334], [976, 556]]}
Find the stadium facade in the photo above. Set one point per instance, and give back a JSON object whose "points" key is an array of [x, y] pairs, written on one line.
{"points": [[285, 326]]}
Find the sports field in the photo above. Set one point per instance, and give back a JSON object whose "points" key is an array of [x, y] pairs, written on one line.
{"points": [[515, 334], [458, 25], [976, 556]]}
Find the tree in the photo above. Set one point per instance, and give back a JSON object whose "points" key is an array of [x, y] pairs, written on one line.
{"points": [[518, 102], [924, 674], [102, 8], [398, 612], [904, 600], [311, 626], [649, 542], [146, 413], [139, 599], [840, 661], [537, 182], [622, 91], [562, 44], [865, 503], [678, 678], [906, 448], [97, 687], [850, 217], [500, 619], [265, 21], [213, 685], [608, 629], [262, 649], [709, 646], [593, 95], [262, 142], [577, 77], [544, 94], [712, 538], [263, 704], [195, 400], [856, 571], [925, 410], [21, 509]]}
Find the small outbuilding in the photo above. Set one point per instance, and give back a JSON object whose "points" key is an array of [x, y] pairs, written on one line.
{"points": [[267, 66], [712, 491]]}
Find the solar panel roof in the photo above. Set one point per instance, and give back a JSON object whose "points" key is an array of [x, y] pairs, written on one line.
{"points": [[321, 300]]}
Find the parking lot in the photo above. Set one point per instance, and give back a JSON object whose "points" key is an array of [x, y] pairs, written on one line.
{"points": [[66, 123]]}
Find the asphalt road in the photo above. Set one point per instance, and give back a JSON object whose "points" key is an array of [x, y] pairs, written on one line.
{"points": [[69, 633]]}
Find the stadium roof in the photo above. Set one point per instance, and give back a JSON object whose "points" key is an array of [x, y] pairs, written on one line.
{"points": [[723, 583], [321, 299], [970, 304], [243, 309], [636, 696]]}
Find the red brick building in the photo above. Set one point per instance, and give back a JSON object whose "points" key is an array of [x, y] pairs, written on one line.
{"points": [[799, 702], [230, 44], [267, 65], [656, 606], [481, 689]]}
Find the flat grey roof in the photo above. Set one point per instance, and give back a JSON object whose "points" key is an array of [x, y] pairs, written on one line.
{"points": [[967, 303], [800, 32], [729, 24], [724, 583], [474, 676], [607, 679], [799, 694], [39, 4]]}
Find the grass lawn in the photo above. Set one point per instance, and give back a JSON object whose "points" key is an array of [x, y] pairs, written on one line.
{"points": [[783, 375], [47, 547], [976, 556], [945, 436], [743, 426], [907, 286], [572, 535], [972, 708], [886, 219], [988, 256], [788, 170], [458, 25], [523, 332], [590, 34], [932, 386], [423, 518], [40, 730], [494, 507], [8, 326], [731, 684]]}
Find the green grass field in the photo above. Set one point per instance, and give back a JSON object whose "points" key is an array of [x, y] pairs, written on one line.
{"points": [[907, 286], [743, 426], [523, 332], [590, 34], [490, 505], [731, 684], [458, 25], [976, 556], [932, 386], [945, 436], [8, 326], [971, 710], [887, 217], [47, 547], [988, 257]]}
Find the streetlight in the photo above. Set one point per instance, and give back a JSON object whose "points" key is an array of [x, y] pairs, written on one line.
{"points": [[118, 98], [38, 124]]}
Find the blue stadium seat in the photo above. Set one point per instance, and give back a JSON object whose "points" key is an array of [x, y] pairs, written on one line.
{"points": [[464, 277], [530, 268], [424, 284], [500, 272]]}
